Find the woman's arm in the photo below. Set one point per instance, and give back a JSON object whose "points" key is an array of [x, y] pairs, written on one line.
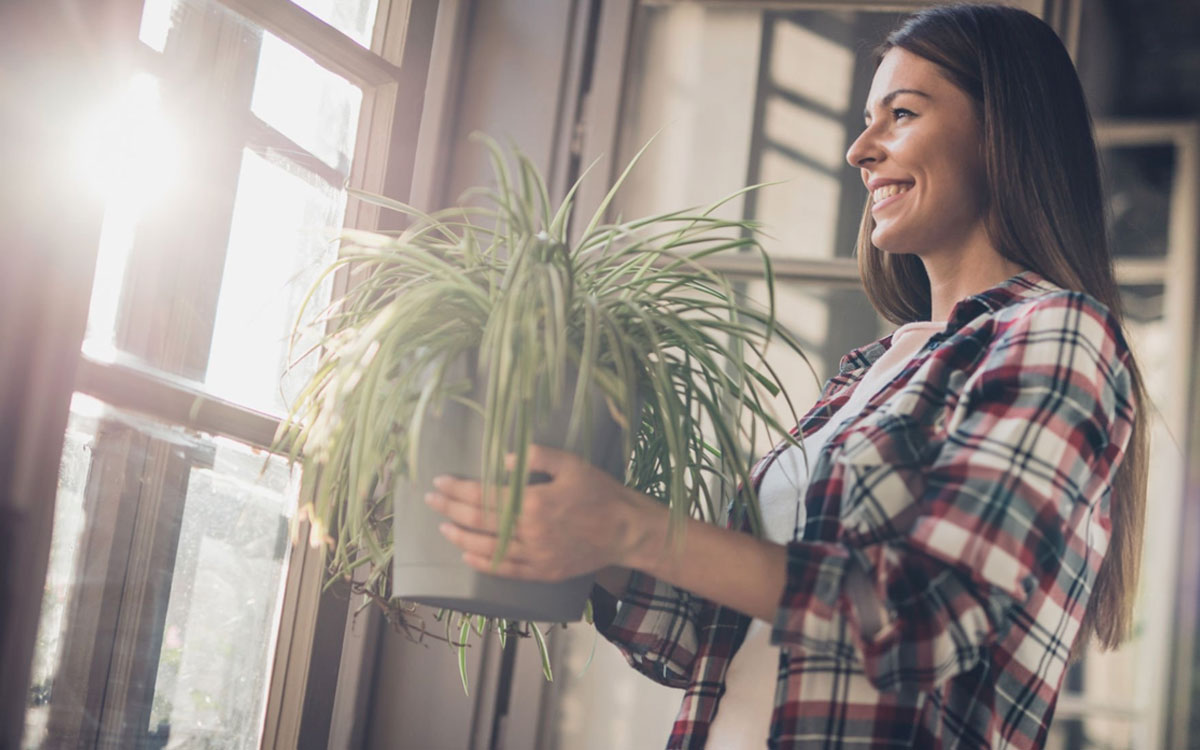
{"points": [[729, 567], [583, 520], [613, 579]]}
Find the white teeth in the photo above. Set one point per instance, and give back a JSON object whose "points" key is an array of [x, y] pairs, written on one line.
{"points": [[887, 191]]}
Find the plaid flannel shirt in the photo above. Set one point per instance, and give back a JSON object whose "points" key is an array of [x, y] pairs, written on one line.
{"points": [[972, 493]]}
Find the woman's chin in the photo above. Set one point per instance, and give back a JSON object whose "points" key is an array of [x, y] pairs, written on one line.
{"points": [[888, 244], [894, 242]]}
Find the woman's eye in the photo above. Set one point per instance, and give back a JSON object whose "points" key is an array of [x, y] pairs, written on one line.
{"points": [[899, 113]]}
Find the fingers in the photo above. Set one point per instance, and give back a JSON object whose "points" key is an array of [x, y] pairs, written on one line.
{"points": [[481, 542], [470, 515], [463, 501], [514, 568], [462, 490], [541, 458], [468, 503], [473, 491], [479, 550], [506, 568]]}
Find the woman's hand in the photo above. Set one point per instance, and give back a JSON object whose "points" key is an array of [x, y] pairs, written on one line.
{"points": [[580, 521], [583, 520]]}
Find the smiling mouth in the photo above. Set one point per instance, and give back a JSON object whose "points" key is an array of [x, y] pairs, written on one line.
{"points": [[889, 191]]}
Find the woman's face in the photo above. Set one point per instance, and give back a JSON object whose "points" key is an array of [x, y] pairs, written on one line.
{"points": [[921, 159]]}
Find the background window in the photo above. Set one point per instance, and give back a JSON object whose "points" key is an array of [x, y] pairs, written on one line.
{"points": [[224, 161]]}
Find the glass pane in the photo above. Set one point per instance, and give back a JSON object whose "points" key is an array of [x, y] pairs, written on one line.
{"points": [[1138, 183], [168, 557], [69, 520], [216, 652], [284, 222], [280, 229], [157, 21], [354, 18], [1100, 732], [828, 322], [315, 108], [604, 704], [129, 154], [766, 97]]}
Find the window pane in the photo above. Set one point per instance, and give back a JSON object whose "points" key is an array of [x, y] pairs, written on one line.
{"points": [[1138, 183], [157, 20], [828, 322], [64, 547], [766, 97], [1102, 732], [171, 618], [284, 222], [603, 703], [210, 690], [314, 107], [129, 154], [279, 234], [354, 18]]}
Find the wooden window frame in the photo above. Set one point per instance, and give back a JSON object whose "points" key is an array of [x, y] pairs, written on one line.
{"points": [[393, 76], [45, 282]]}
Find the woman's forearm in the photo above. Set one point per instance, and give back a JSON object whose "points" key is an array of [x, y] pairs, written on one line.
{"points": [[728, 567], [613, 579], [584, 520]]}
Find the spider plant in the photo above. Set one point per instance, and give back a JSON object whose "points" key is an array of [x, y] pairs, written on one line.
{"points": [[624, 311]]}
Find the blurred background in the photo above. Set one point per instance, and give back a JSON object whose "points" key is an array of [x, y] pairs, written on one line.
{"points": [[176, 171]]}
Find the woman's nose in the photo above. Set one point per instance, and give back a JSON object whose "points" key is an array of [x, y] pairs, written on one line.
{"points": [[864, 149]]}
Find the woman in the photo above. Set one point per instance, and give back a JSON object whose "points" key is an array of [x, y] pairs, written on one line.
{"points": [[973, 509]]}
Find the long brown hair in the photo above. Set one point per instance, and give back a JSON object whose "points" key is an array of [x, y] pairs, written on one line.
{"points": [[1045, 212]]}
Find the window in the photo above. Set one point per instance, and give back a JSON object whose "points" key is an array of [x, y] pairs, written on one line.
{"points": [[771, 92], [224, 162], [1127, 698]]}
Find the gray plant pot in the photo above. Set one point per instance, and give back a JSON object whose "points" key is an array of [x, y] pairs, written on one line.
{"points": [[429, 570]]}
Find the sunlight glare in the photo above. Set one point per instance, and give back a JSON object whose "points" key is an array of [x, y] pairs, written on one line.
{"points": [[129, 150], [130, 156], [157, 22]]}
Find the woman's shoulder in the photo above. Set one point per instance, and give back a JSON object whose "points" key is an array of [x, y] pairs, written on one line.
{"points": [[1067, 313], [1057, 297]]}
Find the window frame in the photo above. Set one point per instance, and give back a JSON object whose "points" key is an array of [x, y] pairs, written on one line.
{"points": [[392, 74], [46, 282]]}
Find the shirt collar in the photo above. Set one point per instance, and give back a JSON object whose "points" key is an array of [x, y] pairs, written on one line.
{"points": [[1012, 290]]}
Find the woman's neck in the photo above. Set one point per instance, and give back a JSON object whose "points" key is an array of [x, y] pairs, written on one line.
{"points": [[958, 276]]}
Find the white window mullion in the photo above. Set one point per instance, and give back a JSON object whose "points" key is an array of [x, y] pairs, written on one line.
{"points": [[317, 39]]}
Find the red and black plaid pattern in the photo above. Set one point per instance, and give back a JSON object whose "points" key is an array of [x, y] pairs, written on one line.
{"points": [[972, 493]]}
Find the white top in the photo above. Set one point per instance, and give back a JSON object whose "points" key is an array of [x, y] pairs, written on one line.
{"points": [[744, 716]]}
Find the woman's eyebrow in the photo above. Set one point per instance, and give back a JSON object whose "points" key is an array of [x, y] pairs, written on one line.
{"points": [[887, 99]]}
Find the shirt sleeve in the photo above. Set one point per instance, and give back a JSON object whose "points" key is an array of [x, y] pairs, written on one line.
{"points": [[1015, 499], [663, 630], [654, 625]]}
